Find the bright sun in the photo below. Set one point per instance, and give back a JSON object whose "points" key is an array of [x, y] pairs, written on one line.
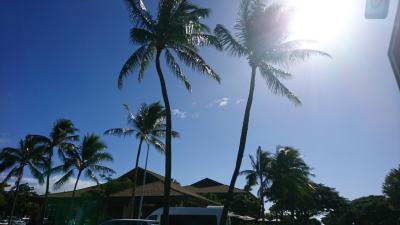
{"points": [[320, 20]]}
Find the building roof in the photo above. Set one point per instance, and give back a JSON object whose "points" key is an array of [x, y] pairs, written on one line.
{"points": [[157, 189], [208, 185], [154, 187]]}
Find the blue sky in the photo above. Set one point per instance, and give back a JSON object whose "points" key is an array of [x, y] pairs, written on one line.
{"points": [[60, 59]]}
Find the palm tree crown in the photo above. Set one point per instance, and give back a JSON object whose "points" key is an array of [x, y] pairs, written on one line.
{"points": [[28, 154], [177, 29], [260, 169], [63, 134], [86, 158], [147, 124], [259, 174], [262, 34], [290, 177], [289, 174]]}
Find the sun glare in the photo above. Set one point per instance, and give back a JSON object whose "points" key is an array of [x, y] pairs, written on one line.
{"points": [[319, 20]]}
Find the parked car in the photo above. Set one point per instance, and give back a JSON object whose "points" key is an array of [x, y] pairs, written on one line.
{"points": [[18, 222], [130, 222], [3, 222], [191, 215]]}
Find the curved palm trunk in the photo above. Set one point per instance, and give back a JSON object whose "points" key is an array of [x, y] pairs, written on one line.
{"points": [[132, 215], [46, 195], [242, 146], [262, 198], [15, 198], [144, 181], [73, 193], [168, 155]]}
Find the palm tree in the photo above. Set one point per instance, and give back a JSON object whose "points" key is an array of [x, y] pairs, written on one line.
{"points": [[259, 175], [176, 29], [28, 154], [86, 159], [62, 135], [147, 125], [262, 37], [290, 178]]}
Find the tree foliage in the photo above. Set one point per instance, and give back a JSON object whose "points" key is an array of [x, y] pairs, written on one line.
{"points": [[391, 187], [370, 210]]}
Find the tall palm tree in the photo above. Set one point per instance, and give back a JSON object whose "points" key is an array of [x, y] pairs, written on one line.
{"points": [[262, 37], [86, 159], [148, 125], [259, 175], [290, 178], [28, 154], [62, 134], [176, 29]]}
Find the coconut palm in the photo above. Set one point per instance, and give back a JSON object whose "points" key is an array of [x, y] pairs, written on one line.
{"points": [[148, 125], [262, 37], [86, 160], [62, 135], [259, 174], [29, 154], [175, 31], [290, 178]]}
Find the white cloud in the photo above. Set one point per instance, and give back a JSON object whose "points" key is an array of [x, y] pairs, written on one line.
{"points": [[223, 102], [184, 115], [219, 102], [40, 189], [179, 113], [240, 101]]}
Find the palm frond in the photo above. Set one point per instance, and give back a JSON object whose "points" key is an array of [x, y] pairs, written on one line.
{"points": [[139, 14], [63, 179], [12, 172], [246, 172], [228, 41], [175, 68], [147, 57], [120, 131], [190, 10], [99, 157], [202, 39], [131, 64], [254, 162], [36, 173], [293, 44], [157, 144], [10, 152], [89, 174], [277, 72], [140, 36], [59, 169], [275, 85], [101, 169], [9, 157], [287, 57], [195, 61]]}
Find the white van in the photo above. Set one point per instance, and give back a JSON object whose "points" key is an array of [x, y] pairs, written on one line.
{"points": [[190, 215]]}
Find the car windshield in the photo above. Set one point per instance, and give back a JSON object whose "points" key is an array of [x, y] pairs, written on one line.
{"points": [[224, 112]]}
